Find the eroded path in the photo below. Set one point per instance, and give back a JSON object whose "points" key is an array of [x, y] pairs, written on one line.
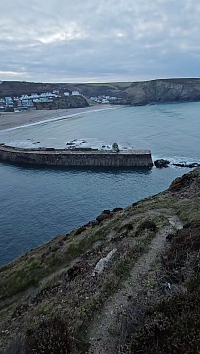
{"points": [[104, 331]]}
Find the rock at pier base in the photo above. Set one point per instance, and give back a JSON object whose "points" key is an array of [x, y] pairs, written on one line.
{"points": [[161, 163]]}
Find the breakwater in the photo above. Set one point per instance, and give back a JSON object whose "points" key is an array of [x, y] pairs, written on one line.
{"points": [[68, 157]]}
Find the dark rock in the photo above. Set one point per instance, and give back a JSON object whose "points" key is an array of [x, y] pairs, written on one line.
{"points": [[161, 163], [93, 223], [65, 237], [181, 182], [80, 230], [103, 216], [115, 210], [106, 214], [170, 237], [74, 271], [106, 211], [179, 164], [192, 165]]}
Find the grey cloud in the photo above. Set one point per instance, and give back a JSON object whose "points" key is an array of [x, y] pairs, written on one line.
{"points": [[99, 41]]}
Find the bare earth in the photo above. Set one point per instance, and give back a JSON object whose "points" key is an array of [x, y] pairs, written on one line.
{"points": [[12, 120]]}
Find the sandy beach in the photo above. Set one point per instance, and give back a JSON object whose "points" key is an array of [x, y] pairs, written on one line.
{"points": [[13, 120]]}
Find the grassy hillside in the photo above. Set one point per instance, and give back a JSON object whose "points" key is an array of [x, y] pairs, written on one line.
{"points": [[130, 93], [126, 283]]}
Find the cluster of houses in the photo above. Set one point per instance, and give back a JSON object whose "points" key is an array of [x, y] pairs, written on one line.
{"points": [[104, 99], [26, 102]]}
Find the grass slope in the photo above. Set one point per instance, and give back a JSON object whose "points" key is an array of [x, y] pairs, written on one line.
{"points": [[49, 295]]}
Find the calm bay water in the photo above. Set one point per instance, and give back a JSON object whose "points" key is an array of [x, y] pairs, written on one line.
{"points": [[39, 203]]}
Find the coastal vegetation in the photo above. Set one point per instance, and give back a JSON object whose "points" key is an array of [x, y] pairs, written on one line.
{"points": [[127, 281], [63, 103]]}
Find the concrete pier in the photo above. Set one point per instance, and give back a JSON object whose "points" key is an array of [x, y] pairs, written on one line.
{"points": [[67, 157]]}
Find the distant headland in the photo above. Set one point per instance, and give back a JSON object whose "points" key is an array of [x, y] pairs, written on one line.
{"points": [[29, 95]]}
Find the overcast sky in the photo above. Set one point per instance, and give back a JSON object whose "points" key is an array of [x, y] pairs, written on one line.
{"points": [[99, 40]]}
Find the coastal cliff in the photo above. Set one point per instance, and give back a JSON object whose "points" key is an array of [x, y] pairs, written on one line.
{"points": [[147, 92], [130, 93], [162, 91], [127, 282], [63, 103]]}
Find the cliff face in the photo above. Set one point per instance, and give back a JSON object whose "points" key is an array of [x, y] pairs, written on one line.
{"points": [[133, 93], [162, 91], [127, 282], [63, 103]]}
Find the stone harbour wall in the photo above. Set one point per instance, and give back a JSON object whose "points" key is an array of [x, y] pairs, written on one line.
{"points": [[52, 157]]}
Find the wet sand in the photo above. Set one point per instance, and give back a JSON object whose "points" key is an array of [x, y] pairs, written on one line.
{"points": [[13, 120]]}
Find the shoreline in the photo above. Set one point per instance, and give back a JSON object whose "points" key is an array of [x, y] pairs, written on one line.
{"points": [[12, 121]]}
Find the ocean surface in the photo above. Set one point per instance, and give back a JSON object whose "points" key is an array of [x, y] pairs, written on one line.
{"points": [[39, 203]]}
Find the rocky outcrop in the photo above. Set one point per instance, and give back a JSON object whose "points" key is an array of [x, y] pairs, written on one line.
{"points": [[181, 182], [63, 103], [162, 91], [161, 163], [189, 165], [164, 163]]}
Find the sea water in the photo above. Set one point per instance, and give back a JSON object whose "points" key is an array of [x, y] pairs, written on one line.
{"points": [[39, 203]]}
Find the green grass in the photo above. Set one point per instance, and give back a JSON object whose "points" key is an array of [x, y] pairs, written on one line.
{"points": [[188, 209], [29, 273]]}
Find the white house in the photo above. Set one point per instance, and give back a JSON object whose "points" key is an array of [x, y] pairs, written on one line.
{"points": [[75, 93], [24, 97], [9, 101], [27, 103], [66, 93], [34, 95]]}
